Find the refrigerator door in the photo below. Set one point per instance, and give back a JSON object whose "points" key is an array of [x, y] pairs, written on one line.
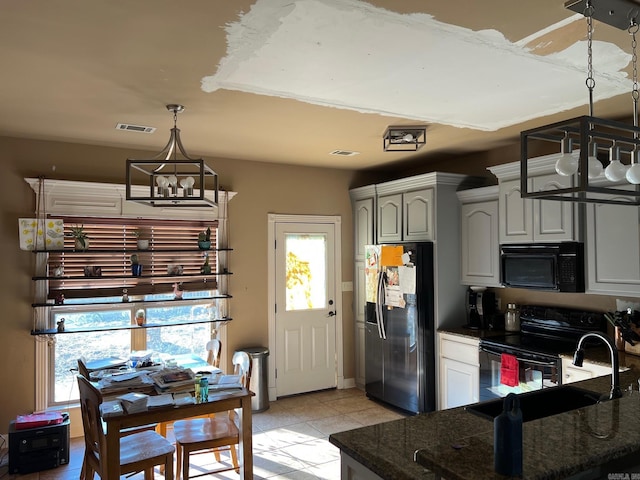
{"points": [[401, 380]]}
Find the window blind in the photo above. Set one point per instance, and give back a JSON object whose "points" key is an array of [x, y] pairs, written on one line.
{"points": [[173, 245]]}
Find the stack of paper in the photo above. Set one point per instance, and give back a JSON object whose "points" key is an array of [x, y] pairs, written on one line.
{"points": [[111, 408], [162, 400], [133, 402], [138, 381], [226, 382], [183, 399], [173, 380]]}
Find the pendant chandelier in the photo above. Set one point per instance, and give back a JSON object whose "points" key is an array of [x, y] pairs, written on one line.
{"points": [[588, 144], [169, 181]]}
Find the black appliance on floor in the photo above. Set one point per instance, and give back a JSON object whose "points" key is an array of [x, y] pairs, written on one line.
{"points": [[40, 448], [399, 326], [545, 333]]}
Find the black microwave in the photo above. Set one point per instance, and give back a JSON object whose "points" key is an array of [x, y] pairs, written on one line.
{"points": [[543, 266]]}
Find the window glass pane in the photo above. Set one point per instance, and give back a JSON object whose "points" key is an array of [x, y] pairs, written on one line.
{"points": [[306, 272], [179, 339], [91, 345]]}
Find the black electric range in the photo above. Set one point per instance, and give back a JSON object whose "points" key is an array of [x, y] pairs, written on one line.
{"points": [[549, 330]]}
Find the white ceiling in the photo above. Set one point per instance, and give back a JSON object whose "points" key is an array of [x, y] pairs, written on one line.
{"points": [[290, 81]]}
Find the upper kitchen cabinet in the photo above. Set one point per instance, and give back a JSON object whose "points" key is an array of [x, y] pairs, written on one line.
{"points": [[404, 217], [613, 249], [524, 220], [363, 200], [480, 248]]}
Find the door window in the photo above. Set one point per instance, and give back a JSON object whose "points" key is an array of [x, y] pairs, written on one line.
{"points": [[306, 274]]}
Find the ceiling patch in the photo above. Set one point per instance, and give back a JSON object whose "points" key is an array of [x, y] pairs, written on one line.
{"points": [[337, 53]]}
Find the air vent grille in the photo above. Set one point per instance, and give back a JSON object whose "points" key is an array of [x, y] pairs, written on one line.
{"points": [[344, 153], [135, 128]]}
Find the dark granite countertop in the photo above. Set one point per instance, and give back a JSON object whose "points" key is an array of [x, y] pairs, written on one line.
{"points": [[459, 445]]}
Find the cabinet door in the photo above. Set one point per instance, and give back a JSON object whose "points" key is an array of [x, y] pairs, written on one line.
{"points": [[418, 215], [459, 383], [613, 249], [390, 218], [363, 216], [360, 357], [552, 220], [515, 214], [480, 248]]}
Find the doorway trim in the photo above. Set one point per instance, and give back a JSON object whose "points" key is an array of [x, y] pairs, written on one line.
{"points": [[273, 219]]}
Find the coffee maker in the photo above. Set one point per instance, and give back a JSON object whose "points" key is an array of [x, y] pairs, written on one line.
{"points": [[481, 309]]}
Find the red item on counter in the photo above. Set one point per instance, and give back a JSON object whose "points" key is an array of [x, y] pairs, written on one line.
{"points": [[509, 370]]}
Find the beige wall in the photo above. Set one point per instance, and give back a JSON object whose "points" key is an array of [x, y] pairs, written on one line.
{"points": [[262, 189]]}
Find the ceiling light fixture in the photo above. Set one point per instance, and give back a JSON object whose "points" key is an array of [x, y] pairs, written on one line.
{"points": [[166, 180], [591, 182], [403, 138]]}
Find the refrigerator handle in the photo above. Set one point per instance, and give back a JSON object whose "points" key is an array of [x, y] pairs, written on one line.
{"points": [[382, 278]]}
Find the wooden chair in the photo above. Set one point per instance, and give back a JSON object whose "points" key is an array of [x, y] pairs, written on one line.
{"points": [[213, 347], [139, 451], [201, 435]]}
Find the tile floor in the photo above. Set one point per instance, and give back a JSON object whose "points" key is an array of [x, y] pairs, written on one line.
{"points": [[290, 439]]}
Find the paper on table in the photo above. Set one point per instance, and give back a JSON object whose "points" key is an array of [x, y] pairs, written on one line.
{"points": [[163, 400], [183, 398]]}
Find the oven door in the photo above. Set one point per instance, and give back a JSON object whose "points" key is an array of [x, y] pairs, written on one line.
{"points": [[535, 371]]}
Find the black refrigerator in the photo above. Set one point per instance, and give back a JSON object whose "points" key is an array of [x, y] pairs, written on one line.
{"points": [[399, 326]]}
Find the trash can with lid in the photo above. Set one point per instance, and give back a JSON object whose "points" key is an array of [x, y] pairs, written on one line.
{"points": [[259, 382]]}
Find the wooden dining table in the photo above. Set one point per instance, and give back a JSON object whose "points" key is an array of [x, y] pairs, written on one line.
{"points": [[219, 401]]}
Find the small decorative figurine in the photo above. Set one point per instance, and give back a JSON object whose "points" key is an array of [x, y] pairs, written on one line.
{"points": [[59, 300], [61, 325], [125, 295], [58, 271], [177, 291]]}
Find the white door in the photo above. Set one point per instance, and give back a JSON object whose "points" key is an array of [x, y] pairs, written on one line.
{"points": [[305, 310]]}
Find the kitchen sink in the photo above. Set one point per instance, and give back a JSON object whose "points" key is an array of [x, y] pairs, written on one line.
{"points": [[540, 403]]}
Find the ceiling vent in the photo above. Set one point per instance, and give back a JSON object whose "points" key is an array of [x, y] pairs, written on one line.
{"points": [[344, 153], [135, 128]]}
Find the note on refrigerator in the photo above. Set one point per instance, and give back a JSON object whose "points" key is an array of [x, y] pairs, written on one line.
{"points": [[407, 279]]}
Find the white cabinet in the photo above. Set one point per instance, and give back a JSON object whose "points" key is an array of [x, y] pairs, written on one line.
{"points": [[363, 201], [480, 248], [363, 221], [351, 469], [459, 370], [613, 250], [524, 220], [406, 216], [571, 373]]}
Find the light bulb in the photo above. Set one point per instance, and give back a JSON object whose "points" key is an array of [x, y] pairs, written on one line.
{"points": [[162, 181], [408, 138], [189, 181], [183, 183], [633, 174], [173, 181], [567, 164], [616, 170], [187, 186], [595, 168]]}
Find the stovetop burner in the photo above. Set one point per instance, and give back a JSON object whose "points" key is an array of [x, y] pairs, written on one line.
{"points": [[549, 330]]}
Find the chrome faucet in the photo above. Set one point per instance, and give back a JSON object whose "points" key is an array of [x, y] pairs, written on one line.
{"points": [[578, 358]]}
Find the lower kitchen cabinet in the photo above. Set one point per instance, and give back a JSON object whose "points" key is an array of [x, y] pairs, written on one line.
{"points": [[351, 469], [459, 370], [571, 373]]}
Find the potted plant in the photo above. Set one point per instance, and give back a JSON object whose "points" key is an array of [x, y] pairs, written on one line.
{"points": [[80, 237], [205, 268], [204, 239], [136, 268], [142, 239], [140, 317]]}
